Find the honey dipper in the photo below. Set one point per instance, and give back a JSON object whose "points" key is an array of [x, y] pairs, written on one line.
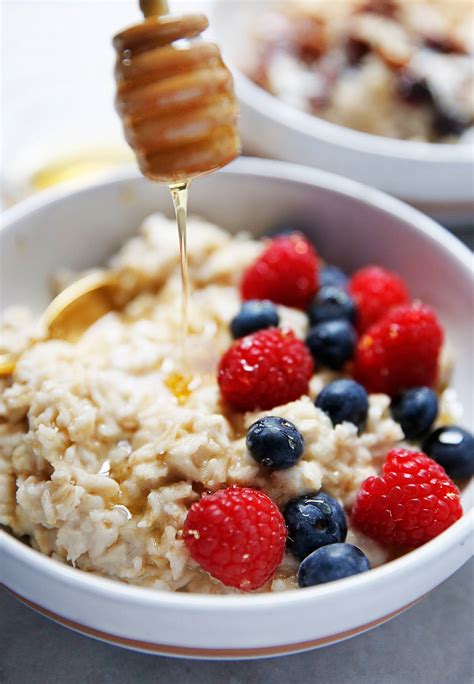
{"points": [[176, 101], [179, 114]]}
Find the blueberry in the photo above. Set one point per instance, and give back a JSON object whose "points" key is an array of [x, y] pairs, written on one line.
{"points": [[334, 276], [275, 443], [254, 315], [281, 231], [449, 123], [289, 228], [414, 89], [344, 400], [314, 520], [356, 50], [330, 563], [332, 343], [453, 448], [416, 411], [330, 304]]}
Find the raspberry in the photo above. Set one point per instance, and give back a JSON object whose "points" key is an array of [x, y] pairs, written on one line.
{"points": [[286, 273], [263, 370], [410, 504], [237, 535], [400, 351], [375, 290]]}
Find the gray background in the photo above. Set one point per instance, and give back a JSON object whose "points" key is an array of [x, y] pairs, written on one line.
{"points": [[430, 644]]}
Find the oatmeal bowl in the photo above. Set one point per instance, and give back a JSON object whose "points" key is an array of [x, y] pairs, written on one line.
{"points": [[299, 452], [379, 91]]}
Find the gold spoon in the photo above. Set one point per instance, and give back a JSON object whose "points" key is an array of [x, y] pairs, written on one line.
{"points": [[74, 310]]}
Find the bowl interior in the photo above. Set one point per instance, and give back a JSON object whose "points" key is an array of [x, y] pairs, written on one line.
{"points": [[351, 226]]}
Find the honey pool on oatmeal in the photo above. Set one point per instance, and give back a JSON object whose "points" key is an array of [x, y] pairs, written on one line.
{"points": [[106, 443]]}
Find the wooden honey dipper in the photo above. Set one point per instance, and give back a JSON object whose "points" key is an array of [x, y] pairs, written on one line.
{"points": [[176, 102], [179, 115]]}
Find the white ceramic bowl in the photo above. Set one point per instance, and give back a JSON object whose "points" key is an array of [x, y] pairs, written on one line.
{"points": [[438, 179], [352, 225]]}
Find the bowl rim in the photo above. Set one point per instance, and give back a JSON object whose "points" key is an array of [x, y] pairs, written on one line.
{"points": [[258, 167], [299, 121], [117, 590]]}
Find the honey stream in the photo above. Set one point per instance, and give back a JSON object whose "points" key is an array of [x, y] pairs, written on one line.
{"points": [[179, 194]]}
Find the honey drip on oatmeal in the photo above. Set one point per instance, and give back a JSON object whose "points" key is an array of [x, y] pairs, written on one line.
{"points": [[179, 194], [182, 386]]}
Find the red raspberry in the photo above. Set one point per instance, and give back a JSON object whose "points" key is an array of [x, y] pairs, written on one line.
{"points": [[263, 370], [410, 504], [237, 535], [400, 351], [375, 291], [286, 273]]}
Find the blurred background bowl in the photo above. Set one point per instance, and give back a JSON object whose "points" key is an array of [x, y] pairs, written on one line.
{"points": [[435, 178], [59, 120]]}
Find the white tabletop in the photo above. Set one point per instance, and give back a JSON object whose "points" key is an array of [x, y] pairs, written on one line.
{"points": [[58, 84]]}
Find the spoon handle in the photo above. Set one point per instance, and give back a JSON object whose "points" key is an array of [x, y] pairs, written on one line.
{"points": [[8, 363], [153, 8]]}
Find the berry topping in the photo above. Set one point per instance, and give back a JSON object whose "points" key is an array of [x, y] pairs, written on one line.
{"points": [[445, 44], [333, 276], [449, 122], [237, 535], [412, 502], [355, 50], [314, 520], [330, 563], [286, 273], [453, 448], [275, 443], [416, 411], [331, 303], [264, 370], [344, 401], [290, 227], [332, 343], [254, 315], [413, 89], [375, 290], [400, 351], [416, 89]]}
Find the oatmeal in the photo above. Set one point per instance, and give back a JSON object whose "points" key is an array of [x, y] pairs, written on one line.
{"points": [[106, 443], [394, 68]]}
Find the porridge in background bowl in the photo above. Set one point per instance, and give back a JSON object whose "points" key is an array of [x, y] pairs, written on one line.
{"points": [[392, 68], [106, 444]]}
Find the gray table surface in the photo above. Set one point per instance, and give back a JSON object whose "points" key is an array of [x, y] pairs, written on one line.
{"points": [[432, 643]]}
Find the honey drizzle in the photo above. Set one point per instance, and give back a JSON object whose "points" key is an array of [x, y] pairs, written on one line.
{"points": [[180, 386], [179, 194]]}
